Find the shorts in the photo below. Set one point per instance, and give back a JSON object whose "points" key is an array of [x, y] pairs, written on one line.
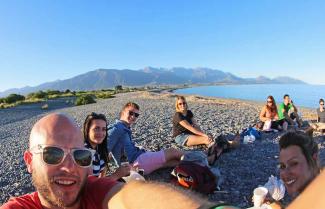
{"points": [[181, 139], [150, 161]]}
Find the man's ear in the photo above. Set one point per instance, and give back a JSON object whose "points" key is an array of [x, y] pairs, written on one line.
{"points": [[28, 157]]}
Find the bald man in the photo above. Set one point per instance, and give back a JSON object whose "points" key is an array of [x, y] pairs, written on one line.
{"points": [[60, 165]]}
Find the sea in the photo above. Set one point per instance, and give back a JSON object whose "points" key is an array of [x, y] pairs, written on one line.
{"points": [[303, 95]]}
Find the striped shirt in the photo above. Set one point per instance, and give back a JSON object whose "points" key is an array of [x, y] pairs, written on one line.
{"points": [[98, 163]]}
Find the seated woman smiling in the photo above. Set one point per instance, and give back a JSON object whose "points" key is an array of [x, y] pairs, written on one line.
{"points": [[298, 161], [185, 129]]}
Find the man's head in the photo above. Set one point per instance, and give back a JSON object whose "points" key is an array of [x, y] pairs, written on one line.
{"points": [[130, 112], [55, 148], [286, 99]]}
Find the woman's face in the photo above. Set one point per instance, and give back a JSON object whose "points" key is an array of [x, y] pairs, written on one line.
{"points": [[182, 105], [269, 102], [294, 170], [97, 131]]}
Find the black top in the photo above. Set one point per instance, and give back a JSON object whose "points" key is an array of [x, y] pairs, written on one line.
{"points": [[178, 128], [321, 116]]}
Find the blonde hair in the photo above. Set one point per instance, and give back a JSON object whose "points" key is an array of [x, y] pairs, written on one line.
{"points": [[176, 103]]}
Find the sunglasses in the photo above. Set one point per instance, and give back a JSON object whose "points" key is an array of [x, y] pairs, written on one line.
{"points": [[182, 103], [322, 104], [269, 101], [131, 113], [53, 155]]}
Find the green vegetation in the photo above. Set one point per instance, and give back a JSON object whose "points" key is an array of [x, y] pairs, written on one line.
{"points": [[12, 98], [77, 97], [85, 99]]}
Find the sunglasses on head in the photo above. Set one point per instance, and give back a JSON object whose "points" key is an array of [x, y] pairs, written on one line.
{"points": [[53, 155], [131, 113]]}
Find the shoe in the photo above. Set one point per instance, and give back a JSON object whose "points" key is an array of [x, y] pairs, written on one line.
{"points": [[216, 151]]}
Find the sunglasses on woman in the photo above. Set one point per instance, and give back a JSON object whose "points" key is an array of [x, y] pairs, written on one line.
{"points": [[54, 155]]}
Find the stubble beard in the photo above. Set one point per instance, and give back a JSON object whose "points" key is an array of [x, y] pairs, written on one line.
{"points": [[55, 199]]}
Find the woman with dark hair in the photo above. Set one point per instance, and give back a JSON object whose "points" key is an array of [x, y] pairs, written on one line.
{"points": [[320, 124], [298, 161], [269, 115], [95, 136]]}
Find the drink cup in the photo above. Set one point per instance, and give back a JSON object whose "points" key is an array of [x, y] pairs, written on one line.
{"points": [[259, 196]]}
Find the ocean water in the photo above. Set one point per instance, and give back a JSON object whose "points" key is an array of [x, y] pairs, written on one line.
{"points": [[302, 94]]}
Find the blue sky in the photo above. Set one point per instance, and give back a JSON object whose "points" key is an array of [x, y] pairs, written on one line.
{"points": [[45, 40]]}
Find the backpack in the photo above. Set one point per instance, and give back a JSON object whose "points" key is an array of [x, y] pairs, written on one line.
{"points": [[194, 176]]}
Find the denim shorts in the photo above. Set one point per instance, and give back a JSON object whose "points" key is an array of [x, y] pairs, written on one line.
{"points": [[182, 139]]}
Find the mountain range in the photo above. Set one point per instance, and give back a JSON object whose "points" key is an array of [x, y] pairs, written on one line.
{"points": [[108, 78]]}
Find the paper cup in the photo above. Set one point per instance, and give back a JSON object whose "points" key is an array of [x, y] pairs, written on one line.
{"points": [[259, 196]]}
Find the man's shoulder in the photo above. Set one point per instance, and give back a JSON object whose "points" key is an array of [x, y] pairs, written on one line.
{"points": [[25, 201], [117, 125], [96, 190]]}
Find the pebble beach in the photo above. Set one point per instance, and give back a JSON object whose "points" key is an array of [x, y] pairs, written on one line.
{"points": [[242, 169]]}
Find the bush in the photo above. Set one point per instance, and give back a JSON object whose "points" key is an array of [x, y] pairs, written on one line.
{"points": [[105, 95], [12, 98], [85, 99], [37, 95], [53, 92]]}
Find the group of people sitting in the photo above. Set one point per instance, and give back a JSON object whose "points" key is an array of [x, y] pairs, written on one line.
{"points": [[114, 141], [69, 170], [279, 118], [276, 118]]}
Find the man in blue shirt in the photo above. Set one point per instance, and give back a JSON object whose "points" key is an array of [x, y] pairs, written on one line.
{"points": [[120, 141]]}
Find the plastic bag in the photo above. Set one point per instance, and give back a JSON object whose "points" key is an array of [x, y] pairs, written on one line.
{"points": [[275, 187], [249, 139]]}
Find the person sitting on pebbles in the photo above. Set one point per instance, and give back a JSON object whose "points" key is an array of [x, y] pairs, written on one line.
{"points": [[60, 164], [283, 112], [188, 133], [120, 141], [298, 162], [269, 116], [95, 136], [320, 125], [185, 129]]}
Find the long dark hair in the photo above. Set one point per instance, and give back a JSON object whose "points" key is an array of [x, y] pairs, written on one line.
{"points": [[102, 148], [273, 108]]}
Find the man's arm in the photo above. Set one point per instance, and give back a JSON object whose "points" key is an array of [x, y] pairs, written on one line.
{"points": [[148, 195], [312, 196]]}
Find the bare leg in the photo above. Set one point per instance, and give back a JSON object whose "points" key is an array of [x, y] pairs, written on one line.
{"points": [[196, 140], [172, 157]]}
